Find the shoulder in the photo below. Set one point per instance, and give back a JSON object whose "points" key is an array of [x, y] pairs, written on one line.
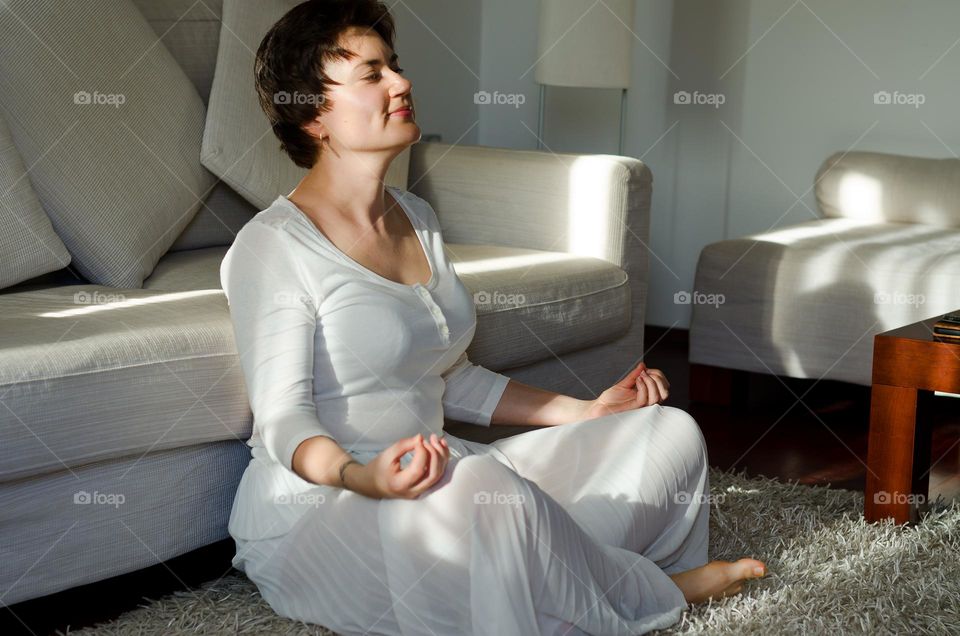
{"points": [[271, 219], [266, 229], [261, 247]]}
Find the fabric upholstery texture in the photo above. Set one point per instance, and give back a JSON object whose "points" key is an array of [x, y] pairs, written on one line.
{"points": [[105, 519], [805, 301], [191, 32], [218, 221], [28, 245], [94, 373], [887, 188], [112, 132]]}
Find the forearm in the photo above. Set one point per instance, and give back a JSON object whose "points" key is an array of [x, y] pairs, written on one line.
{"points": [[319, 459], [525, 405]]}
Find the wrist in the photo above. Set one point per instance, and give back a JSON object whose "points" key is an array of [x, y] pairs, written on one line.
{"points": [[563, 409], [579, 410], [358, 478], [593, 409]]}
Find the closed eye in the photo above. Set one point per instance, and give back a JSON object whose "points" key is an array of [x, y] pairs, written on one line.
{"points": [[377, 75]]}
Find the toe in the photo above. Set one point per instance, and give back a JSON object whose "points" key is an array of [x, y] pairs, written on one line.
{"points": [[750, 568]]}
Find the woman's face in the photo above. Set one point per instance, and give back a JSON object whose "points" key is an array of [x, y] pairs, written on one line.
{"points": [[372, 108]]}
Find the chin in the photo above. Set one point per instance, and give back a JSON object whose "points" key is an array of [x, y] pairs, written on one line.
{"points": [[415, 133], [400, 141]]}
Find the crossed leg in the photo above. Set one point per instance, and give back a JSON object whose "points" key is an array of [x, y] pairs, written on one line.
{"points": [[583, 530], [637, 480], [483, 550]]}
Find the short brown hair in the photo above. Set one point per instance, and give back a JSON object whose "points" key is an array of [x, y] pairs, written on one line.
{"points": [[288, 73]]}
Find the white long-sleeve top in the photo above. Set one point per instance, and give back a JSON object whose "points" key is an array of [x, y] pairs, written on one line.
{"points": [[329, 347]]}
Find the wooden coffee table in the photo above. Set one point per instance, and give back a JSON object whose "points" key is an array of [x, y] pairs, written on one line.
{"points": [[908, 365]]}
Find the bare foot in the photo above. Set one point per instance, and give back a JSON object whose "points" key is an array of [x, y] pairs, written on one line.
{"points": [[717, 579]]}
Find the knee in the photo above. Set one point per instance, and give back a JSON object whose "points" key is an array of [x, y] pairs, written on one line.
{"points": [[483, 472], [683, 428], [479, 480]]}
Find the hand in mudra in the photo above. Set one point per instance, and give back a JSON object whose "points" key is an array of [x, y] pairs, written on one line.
{"points": [[430, 458], [641, 387]]}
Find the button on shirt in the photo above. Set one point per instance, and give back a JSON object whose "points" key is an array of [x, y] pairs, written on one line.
{"points": [[329, 347]]}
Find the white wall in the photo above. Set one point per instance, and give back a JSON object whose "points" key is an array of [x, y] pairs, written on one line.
{"points": [[438, 42]]}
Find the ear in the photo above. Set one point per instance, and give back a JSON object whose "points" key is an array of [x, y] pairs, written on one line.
{"points": [[316, 129]]}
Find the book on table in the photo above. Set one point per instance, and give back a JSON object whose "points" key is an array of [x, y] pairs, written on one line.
{"points": [[947, 331], [952, 319]]}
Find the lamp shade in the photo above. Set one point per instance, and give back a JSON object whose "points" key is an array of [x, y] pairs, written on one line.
{"points": [[584, 43]]}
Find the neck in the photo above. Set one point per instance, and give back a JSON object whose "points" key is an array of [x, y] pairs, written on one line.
{"points": [[350, 186]]}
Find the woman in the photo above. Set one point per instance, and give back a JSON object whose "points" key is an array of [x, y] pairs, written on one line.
{"points": [[356, 511]]}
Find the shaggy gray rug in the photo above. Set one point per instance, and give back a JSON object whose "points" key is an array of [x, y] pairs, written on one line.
{"points": [[829, 573]]}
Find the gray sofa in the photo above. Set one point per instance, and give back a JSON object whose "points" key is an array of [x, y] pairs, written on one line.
{"points": [[806, 300], [123, 411]]}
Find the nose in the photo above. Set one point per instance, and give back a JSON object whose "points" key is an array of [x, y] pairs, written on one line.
{"points": [[400, 84]]}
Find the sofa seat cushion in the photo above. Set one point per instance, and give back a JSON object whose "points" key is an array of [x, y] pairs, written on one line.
{"points": [[90, 373], [531, 304], [805, 301]]}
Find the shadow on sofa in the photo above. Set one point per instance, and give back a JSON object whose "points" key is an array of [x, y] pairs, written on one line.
{"points": [[805, 301]]}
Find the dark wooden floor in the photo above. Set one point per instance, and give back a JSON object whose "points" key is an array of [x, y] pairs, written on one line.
{"points": [[821, 440]]}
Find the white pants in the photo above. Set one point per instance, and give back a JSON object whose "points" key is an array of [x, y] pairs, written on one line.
{"points": [[566, 530]]}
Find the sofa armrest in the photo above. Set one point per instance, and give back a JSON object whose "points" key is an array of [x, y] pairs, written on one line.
{"points": [[589, 205], [886, 188]]}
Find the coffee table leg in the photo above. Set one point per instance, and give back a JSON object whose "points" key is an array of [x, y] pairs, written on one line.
{"points": [[923, 441], [890, 454]]}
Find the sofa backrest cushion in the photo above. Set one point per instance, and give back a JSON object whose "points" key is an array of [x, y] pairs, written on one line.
{"points": [[881, 187], [238, 144], [28, 245], [110, 127], [190, 30]]}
